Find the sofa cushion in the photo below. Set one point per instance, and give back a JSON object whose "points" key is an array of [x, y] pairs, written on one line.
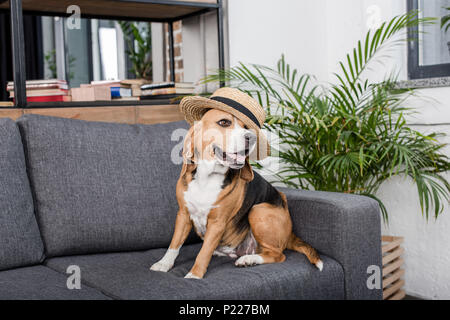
{"points": [[102, 187], [127, 276], [42, 283], [20, 240]]}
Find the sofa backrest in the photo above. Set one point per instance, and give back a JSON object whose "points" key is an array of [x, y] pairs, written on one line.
{"points": [[102, 187], [20, 240]]}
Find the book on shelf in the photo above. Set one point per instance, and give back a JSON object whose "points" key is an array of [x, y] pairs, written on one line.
{"points": [[40, 84], [117, 89], [169, 84], [29, 87], [166, 91], [91, 93], [173, 97], [134, 82], [135, 85], [46, 90], [119, 92], [60, 98], [103, 83], [127, 99], [43, 92]]}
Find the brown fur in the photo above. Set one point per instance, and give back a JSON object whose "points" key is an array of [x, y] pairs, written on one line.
{"points": [[271, 225]]}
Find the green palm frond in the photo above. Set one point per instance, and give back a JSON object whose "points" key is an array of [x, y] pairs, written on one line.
{"points": [[351, 136]]}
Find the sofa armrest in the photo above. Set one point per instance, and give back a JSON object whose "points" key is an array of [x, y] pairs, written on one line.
{"points": [[344, 227]]}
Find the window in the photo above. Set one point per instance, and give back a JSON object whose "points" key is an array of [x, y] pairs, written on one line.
{"points": [[95, 51], [429, 57]]}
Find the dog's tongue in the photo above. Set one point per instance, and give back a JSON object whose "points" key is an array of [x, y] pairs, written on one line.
{"points": [[239, 158]]}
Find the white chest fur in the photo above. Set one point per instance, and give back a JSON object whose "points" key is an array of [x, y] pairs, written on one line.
{"points": [[202, 192]]}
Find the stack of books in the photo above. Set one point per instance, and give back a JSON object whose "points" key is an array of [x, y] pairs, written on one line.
{"points": [[43, 90], [129, 90], [135, 86], [166, 90]]}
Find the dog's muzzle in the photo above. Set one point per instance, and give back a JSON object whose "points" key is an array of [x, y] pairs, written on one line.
{"points": [[236, 160]]}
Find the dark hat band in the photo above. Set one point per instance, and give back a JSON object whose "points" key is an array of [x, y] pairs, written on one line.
{"points": [[238, 107]]}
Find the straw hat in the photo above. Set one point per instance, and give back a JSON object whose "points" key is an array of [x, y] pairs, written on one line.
{"points": [[233, 101]]}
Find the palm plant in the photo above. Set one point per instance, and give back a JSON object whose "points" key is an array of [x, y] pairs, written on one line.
{"points": [[139, 45], [351, 136]]}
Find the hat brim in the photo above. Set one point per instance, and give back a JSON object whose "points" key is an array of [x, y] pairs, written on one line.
{"points": [[194, 107]]}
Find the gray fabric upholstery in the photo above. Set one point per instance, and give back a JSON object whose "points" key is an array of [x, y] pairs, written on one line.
{"points": [[127, 276], [20, 241], [344, 227], [42, 283], [102, 187]]}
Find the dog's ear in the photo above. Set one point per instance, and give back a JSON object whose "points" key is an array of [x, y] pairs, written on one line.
{"points": [[247, 171], [188, 152], [188, 146]]}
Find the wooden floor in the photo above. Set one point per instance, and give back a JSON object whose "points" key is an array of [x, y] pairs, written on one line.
{"points": [[119, 114]]}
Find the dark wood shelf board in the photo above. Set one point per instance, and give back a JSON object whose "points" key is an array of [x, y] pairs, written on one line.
{"points": [[145, 10]]}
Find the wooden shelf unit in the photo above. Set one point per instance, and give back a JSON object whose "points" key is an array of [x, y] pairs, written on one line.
{"points": [[167, 11]]}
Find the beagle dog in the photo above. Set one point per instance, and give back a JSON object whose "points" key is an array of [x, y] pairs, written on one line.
{"points": [[232, 208]]}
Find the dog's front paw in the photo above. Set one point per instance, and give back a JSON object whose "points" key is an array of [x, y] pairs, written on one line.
{"points": [[191, 276], [161, 266]]}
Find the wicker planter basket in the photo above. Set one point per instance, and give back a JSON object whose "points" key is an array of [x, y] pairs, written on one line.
{"points": [[392, 271]]}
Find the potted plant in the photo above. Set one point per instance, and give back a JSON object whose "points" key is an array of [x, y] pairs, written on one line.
{"points": [[139, 43], [445, 24], [350, 136]]}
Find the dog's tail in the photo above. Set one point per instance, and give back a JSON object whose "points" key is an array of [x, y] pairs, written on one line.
{"points": [[296, 244]]}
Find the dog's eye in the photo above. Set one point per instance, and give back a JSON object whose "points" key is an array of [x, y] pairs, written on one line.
{"points": [[224, 123]]}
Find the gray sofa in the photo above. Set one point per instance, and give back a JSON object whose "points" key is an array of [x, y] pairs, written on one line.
{"points": [[101, 197]]}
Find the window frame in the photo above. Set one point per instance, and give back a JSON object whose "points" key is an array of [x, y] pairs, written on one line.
{"points": [[415, 70]]}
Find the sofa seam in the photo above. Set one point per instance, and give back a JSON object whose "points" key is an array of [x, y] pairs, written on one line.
{"points": [[87, 283], [26, 154]]}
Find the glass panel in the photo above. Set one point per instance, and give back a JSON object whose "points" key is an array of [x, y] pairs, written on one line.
{"points": [[91, 50], [95, 51], [108, 51], [434, 45], [78, 54]]}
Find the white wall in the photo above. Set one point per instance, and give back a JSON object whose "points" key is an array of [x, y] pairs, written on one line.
{"points": [[200, 49], [314, 35]]}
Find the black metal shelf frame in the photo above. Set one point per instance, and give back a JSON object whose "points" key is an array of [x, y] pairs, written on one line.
{"points": [[18, 45]]}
